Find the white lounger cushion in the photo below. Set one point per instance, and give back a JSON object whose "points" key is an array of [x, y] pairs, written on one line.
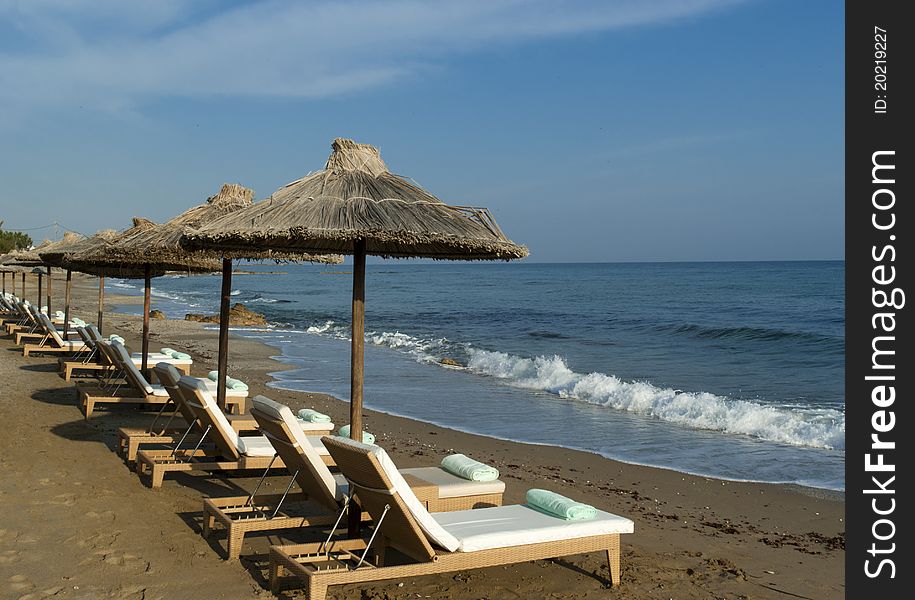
{"points": [[452, 486], [517, 525], [259, 445]]}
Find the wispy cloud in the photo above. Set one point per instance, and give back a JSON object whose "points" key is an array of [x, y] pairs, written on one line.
{"points": [[110, 54]]}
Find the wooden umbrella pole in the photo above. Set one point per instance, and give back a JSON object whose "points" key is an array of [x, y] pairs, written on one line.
{"points": [[4, 281], [49, 291], [67, 302], [357, 357], [13, 279], [101, 301], [223, 363], [23, 287], [40, 277], [146, 291]]}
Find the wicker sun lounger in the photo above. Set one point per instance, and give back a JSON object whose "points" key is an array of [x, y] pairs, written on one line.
{"points": [[463, 540], [176, 427], [138, 389], [96, 361], [232, 452], [52, 341], [439, 490]]}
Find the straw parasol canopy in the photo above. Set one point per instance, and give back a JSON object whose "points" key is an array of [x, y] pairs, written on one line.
{"points": [[87, 255], [355, 198], [357, 206]]}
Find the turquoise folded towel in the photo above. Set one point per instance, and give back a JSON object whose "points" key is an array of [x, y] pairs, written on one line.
{"points": [[181, 356], [367, 438], [78, 322], [313, 416], [213, 375], [557, 505], [463, 466], [235, 384], [114, 338], [168, 351]]}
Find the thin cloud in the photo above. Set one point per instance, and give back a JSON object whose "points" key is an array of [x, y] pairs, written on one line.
{"points": [[113, 55]]}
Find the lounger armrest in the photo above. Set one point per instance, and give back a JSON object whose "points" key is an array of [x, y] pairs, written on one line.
{"points": [[425, 491]]}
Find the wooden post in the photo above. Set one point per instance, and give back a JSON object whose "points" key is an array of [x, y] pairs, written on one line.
{"points": [[40, 278], [23, 286], [357, 360], [101, 301], [4, 282], [67, 303], [357, 356], [223, 361], [49, 291], [13, 279], [146, 290]]}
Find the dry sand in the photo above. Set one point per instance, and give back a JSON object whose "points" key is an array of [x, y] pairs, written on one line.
{"points": [[78, 523]]}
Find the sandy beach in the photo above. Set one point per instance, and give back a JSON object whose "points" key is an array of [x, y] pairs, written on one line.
{"points": [[80, 524]]}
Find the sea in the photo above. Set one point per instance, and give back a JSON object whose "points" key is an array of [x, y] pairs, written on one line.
{"points": [[732, 370]]}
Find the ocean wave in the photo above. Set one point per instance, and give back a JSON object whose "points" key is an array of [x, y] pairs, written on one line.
{"points": [[263, 300], [235, 293], [817, 428], [746, 333]]}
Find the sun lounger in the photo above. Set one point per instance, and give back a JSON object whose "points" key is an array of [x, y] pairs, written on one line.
{"points": [[136, 389], [178, 426], [433, 542], [232, 452], [96, 361], [53, 342], [439, 490]]}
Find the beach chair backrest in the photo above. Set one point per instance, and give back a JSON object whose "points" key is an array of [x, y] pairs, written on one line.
{"points": [[94, 333], [280, 426], [169, 376], [201, 402], [408, 526], [131, 372], [49, 328], [87, 339]]}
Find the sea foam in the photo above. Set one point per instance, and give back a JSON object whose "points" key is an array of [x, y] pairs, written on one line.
{"points": [[818, 428]]}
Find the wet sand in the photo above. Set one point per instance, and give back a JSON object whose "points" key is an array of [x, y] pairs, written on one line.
{"points": [[78, 523]]}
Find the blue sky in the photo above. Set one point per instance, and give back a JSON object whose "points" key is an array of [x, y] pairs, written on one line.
{"points": [[595, 131]]}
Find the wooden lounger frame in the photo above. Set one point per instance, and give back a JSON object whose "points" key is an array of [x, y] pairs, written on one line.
{"points": [[321, 565], [240, 515], [131, 439], [156, 463]]}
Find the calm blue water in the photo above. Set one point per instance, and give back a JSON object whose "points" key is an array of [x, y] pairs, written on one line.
{"points": [[733, 370]]}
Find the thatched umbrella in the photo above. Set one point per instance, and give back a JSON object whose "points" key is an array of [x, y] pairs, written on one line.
{"points": [[54, 255], [161, 247], [100, 259], [356, 206]]}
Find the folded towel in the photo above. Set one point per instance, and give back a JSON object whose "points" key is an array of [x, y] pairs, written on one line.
{"points": [[235, 384], [59, 314], [463, 466], [313, 416], [181, 355], [167, 351], [113, 337], [78, 322], [213, 375], [557, 505], [367, 438]]}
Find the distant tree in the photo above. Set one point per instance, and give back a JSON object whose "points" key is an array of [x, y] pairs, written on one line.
{"points": [[13, 240]]}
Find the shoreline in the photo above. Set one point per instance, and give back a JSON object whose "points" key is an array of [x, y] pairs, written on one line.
{"points": [[695, 536]]}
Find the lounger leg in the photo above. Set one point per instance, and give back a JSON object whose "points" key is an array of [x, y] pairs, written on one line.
{"points": [[88, 406], [234, 541], [276, 571], [156, 477], [316, 590], [613, 561], [209, 522]]}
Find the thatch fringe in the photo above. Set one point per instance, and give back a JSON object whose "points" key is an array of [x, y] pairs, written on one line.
{"points": [[356, 198], [160, 245]]}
